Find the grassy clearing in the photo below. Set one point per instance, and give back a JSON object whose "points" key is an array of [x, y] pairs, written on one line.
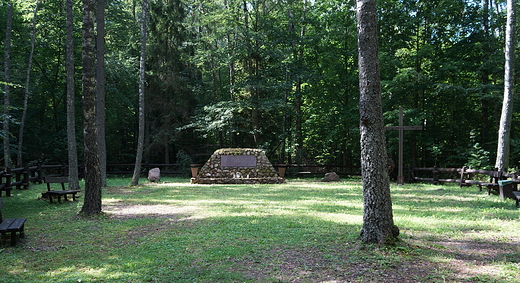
{"points": [[301, 231]]}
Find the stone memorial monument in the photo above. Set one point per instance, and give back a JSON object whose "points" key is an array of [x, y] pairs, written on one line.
{"points": [[238, 166]]}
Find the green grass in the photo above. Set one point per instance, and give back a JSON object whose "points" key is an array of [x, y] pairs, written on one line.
{"points": [[301, 231]]}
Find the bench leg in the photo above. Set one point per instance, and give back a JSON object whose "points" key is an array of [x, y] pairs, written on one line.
{"points": [[13, 238], [50, 197]]}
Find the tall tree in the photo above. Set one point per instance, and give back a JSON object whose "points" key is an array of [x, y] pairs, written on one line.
{"points": [[142, 67], [7, 91], [27, 91], [92, 200], [504, 133], [378, 224], [71, 116], [297, 50], [100, 88]]}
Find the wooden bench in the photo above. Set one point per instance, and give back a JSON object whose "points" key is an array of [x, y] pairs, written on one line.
{"points": [[508, 189], [11, 225], [63, 192]]}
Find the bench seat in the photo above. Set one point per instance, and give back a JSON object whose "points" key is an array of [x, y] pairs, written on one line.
{"points": [[62, 180], [64, 193], [13, 225]]}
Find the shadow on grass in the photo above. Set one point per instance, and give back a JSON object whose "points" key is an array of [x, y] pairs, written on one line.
{"points": [[302, 232]]}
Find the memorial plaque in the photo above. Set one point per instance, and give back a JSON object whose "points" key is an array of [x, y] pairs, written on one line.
{"points": [[238, 161]]}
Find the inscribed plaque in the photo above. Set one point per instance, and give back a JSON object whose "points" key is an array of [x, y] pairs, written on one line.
{"points": [[238, 161]]}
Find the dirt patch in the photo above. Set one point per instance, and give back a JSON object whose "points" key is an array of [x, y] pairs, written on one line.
{"points": [[341, 265], [476, 259], [449, 261]]}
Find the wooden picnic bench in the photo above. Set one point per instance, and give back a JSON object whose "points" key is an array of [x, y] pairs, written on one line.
{"points": [[63, 192], [493, 184], [11, 225], [508, 189]]}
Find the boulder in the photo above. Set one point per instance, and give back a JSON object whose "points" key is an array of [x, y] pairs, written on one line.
{"points": [[331, 177], [154, 175]]}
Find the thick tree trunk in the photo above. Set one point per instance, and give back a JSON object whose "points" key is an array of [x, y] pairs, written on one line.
{"points": [[502, 162], [71, 116], [7, 90], [92, 199], [378, 225], [142, 68]]}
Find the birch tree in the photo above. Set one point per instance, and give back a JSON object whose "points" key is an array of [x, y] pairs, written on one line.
{"points": [[142, 61], [27, 91], [7, 90], [504, 132]]}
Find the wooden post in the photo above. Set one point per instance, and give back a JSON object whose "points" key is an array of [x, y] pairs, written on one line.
{"points": [[401, 128]]}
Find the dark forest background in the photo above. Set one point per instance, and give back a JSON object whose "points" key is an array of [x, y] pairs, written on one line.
{"points": [[276, 75]]}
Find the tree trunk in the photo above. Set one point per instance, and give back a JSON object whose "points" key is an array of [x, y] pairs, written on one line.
{"points": [[298, 135], [378, 224], [100, 101], [92, 199], [502, 162], [142, 61], [26, 96], [71, 116], [7, 92], [484, 102]]}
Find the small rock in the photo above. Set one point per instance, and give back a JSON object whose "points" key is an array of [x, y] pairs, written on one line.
{"points": [[331, 177]]}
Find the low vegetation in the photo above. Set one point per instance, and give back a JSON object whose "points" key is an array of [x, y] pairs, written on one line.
{"points": [[301, 231]]}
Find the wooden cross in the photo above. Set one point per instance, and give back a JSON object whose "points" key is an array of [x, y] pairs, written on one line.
{"points": [[401, 128]]}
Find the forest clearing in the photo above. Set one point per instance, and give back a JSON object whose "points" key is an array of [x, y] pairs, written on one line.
{"points": [[300, 231]]}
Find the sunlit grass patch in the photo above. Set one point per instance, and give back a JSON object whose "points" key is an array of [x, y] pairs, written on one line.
{"points": [[301, 231]]}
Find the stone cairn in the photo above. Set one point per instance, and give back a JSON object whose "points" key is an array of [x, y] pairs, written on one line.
{"points": [[238, 166]]}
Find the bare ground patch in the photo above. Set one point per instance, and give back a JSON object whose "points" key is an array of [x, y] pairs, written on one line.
{"points": [[342, 265], [451, 260]]}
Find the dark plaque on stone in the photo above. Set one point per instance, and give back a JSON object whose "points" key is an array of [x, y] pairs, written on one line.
{"points": [[238, 161]]}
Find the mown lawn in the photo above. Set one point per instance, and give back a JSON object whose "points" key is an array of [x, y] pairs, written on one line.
{"points": [[301, 231]]}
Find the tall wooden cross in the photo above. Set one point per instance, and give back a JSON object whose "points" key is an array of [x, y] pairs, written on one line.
{"points": [[401, 128]]}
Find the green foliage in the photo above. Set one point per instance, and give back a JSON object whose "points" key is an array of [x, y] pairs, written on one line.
{"points": [[279, 76], [184, 161], [478, 158]]}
